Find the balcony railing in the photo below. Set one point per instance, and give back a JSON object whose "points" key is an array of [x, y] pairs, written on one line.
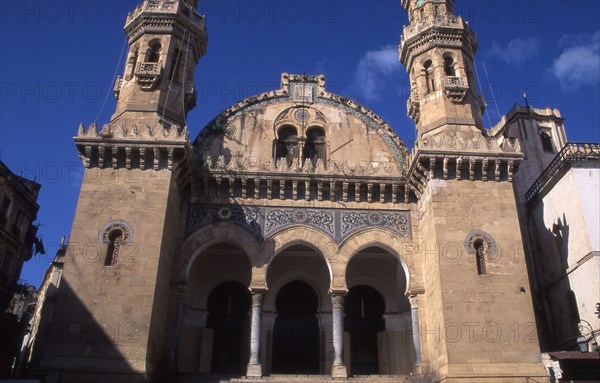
{"points": [[572, 152], [437, 21], [148, 68], [148, 74], [455, 82]]}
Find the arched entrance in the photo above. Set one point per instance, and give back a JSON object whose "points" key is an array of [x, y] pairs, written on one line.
{"points": [[214, 328], [296, 331], [363, 310], [229, 318], [378, 321]]}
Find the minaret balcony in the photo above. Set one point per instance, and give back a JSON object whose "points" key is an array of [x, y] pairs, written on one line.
{"points": [[449, 21], [455, 88], [413, 107], [148, 74]]}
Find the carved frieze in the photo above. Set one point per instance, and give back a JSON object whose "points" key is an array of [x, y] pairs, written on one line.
{"points": [[247, 217], [263, 222]]}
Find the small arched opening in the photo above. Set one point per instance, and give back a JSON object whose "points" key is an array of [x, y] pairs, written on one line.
{"points": [[315, 146], [449, 66], [429, 80], [286, 146], [479, 248], [115, 241], [153, 52], [547, 142]]}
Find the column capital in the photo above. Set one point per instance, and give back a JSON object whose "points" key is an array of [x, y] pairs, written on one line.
{"points": [[257, 298], [337, 299]]}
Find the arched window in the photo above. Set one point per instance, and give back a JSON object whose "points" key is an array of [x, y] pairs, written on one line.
{"points": [[429, 80], [547, 142], [115, 240], [132, 61], [153, 53], [449, 66], [479, 248], [314, 149], [286, 146]]}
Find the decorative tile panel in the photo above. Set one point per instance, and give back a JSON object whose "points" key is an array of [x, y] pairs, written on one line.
{"points": [[263, 222], [248, 217]]}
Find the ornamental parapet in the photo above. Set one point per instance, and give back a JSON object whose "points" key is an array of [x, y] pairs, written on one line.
{"points": [[132, 147]]}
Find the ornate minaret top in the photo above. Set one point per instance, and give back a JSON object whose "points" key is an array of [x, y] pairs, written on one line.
{"points": [[166, 40], [437, 49], [421, 9], [148, 129]]}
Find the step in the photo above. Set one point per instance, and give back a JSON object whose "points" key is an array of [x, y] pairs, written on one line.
{"points": [[290, 378]]}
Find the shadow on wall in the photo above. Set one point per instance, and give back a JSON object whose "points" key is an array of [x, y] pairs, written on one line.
{"points": [[556, 307], [81, 349]]}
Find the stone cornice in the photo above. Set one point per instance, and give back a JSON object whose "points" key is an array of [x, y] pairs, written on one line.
{"points": [[132, 148], [461, 166], [450, 31], [295, 187]]}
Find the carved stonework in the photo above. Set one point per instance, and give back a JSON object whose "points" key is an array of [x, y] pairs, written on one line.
{"points": [[322, 220], [245, 216], [412, 106], [490, 243], [455, 89], [264, 222], [278, 218], [148, 75], [127, 232], [257, 299], [357, 220], [337, 301]]}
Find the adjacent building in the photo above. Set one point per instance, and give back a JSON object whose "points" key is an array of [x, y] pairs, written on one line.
{"points": [[18, 211]]}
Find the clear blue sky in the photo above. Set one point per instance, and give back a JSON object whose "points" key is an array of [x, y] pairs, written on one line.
{"points": [[58, 59]]}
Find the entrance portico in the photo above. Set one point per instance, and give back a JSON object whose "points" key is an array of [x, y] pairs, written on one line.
{"points": [[298, 323]]}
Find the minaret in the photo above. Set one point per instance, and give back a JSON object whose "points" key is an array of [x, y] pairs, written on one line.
{"points": [[438, 49], [112, 316], [474, 307], [166, 39]]}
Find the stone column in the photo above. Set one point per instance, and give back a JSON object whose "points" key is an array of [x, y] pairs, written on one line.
{"points": [[254, 366], [338, 370], [416, 333], [176, 334]]}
